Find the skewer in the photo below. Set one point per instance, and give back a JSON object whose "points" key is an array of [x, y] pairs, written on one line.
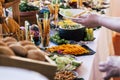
{"points": [[6, 34], [79, 14]]}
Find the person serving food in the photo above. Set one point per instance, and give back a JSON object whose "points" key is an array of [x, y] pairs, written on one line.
{"points": [[111, 66]]}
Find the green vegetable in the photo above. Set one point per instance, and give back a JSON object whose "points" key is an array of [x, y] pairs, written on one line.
{"points": [[65, 62], [25, 7], [74, 63], [56, 38], [54, 1]]}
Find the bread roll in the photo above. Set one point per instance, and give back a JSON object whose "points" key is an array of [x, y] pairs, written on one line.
{"points": [[2, 43], [18, 49], [6, 51], [9, 43], [9, 39], [30, 47], [23, 43], [36, 55]]}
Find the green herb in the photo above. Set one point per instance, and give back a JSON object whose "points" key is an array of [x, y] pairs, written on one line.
{"points": [[25, 7]]}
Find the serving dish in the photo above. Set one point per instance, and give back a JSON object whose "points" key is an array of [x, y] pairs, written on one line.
{"points": [[70, 30], [72, 13], [35, 65], [71, 49], [76, 34]]}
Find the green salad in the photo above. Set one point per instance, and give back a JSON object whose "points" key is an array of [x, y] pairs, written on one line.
{"points": [[65, 62]]}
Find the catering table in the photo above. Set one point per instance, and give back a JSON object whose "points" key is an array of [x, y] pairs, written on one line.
{"points": [[89, 68]]}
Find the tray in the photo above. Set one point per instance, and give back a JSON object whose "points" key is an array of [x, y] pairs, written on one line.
{"points": [[91, 52], [44, 68]]}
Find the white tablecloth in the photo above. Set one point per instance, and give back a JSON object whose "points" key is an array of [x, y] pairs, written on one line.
{"points": [[12, 73]]}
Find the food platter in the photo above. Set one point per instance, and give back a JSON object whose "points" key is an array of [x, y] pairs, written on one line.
{"points": [[72, 13], [71, 49]]}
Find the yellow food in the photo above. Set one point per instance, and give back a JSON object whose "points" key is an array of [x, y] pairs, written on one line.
{"points": [[1, 8], [73, 49], [50, 7], [67, 21], [5, 28], [73, 1], [12, 24]]}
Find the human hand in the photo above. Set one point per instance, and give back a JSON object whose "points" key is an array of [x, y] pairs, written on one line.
{"points": [[111, 67], [91, 20]]}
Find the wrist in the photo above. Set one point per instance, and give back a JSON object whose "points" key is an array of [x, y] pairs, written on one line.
{"points": [[99, 19]]}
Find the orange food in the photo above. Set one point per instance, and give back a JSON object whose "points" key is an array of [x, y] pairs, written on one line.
{"points": [[73, 49]]}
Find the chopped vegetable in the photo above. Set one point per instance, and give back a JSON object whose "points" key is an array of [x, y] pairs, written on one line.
{"points": [[65, 62]]}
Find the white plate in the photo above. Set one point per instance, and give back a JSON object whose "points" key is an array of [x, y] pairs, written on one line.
{"points": [[12, 73], [68, 13]]}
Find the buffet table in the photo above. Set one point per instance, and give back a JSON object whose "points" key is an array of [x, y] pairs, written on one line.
{"points": [[89, 68]]}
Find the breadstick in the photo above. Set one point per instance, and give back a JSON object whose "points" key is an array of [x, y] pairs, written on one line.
{"points": [[79, 14]]}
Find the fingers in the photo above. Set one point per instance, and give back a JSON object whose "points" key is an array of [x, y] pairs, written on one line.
{"points": [[113, 72], [82, 17], [77, 20], [108, 75], [103, 67]]}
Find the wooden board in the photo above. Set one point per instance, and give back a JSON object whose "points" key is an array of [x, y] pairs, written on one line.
{"points": [[44, 68]]}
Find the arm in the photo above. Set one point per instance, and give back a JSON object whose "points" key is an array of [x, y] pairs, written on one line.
{"points": [[94, 20], [109, 22]]}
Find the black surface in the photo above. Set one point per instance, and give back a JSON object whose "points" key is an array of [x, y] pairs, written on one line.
{"points": [[91, 52]]}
